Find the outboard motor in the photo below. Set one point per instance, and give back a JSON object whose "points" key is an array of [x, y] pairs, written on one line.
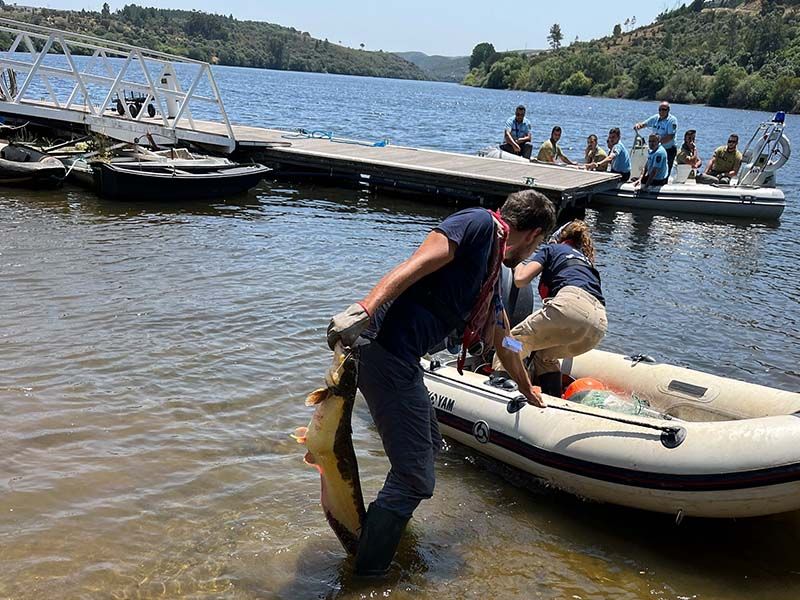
{"points": [[766, 152]]}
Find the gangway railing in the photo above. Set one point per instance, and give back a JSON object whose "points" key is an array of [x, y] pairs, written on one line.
{"points": [[120, 90]]}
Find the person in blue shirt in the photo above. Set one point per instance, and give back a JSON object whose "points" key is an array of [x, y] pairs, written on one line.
{"points": [[517, 137], [618, 157], [665, 126], [655, 170], [573, 318], [451, 282]]}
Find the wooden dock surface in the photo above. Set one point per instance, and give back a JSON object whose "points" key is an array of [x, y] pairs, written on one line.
{"points": [[451, 170]]}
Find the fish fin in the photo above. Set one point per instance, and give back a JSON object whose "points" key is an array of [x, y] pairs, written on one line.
{"points": [[309, 460], [300, 434], [317, 396]]}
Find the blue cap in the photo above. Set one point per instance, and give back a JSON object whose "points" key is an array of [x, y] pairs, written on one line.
{"points": [[779, 117]]}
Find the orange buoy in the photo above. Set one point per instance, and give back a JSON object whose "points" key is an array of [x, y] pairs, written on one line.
{"points": [[581, 385]]}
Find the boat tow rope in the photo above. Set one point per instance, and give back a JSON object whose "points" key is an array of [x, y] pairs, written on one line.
{"points": [[672, 436]]}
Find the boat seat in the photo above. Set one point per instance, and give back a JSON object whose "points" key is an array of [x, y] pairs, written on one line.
{"points": [[681, 173]]}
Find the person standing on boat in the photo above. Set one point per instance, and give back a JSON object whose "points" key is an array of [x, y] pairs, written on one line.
{"points": [[688, 155], [594, 153], [550, 151], [517, 136], [618, 158], [451, 282], [666, 127], [655, 171], [724, 164], [573, 318]]}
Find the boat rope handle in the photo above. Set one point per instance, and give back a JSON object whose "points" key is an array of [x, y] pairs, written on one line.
{"points": [[672, 436]]}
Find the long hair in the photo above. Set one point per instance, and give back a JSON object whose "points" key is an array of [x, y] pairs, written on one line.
{"points": [[577, 234]]}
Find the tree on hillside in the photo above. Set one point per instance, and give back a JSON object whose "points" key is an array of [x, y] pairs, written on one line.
{"points": [[481, 54], [617, 30], [106, 12], [555, 36]]}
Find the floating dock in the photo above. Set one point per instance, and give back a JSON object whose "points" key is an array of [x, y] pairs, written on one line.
{"points": [[127, 93]]}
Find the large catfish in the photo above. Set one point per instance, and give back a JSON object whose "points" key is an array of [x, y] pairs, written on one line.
{"points": [[329, 439]]}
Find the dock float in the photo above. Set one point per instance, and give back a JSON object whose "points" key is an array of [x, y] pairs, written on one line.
{"points": [[128, 93]]}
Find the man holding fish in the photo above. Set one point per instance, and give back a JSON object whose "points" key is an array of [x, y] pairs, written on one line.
{"points": [[450, 283]]}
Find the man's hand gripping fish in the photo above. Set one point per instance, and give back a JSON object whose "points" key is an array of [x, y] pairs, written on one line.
{"points": [[329, 439]]}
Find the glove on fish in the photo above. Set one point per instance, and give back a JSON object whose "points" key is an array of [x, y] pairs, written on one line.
{"points": [[347, 325]]}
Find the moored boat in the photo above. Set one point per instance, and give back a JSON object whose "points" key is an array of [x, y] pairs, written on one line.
{"points": [[22, 165], [718, 447], [139, 181]]}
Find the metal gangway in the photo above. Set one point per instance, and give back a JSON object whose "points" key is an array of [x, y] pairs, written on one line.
{"points": [[118, 90]]}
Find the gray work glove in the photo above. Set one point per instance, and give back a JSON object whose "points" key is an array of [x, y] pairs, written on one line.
{"points": [[347, 326]]}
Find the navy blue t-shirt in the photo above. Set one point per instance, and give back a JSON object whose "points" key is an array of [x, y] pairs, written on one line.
{"points": [[563, 266], [423, 315]]}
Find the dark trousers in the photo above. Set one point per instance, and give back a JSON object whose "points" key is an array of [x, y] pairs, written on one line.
{"points": [[526, 148], [401, 408], [625, 176], [671, 154]]}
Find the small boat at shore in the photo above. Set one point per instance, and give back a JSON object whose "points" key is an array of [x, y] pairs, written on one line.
{"points": [[706, 446], [154, 181], [24, 166]]}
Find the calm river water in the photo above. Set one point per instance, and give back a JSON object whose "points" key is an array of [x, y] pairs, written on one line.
{"points": [[153, 360]]}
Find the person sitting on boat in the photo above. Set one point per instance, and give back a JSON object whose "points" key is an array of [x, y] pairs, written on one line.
{"points": [[550, 151], [666, 127], [655, 171], [724, 164], [618, 158], [573, 318], [450, 283], [517, 136], [594, 153], [688, 155]]}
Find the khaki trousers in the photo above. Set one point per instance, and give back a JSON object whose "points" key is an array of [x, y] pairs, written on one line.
{"points": [[571, 323]]}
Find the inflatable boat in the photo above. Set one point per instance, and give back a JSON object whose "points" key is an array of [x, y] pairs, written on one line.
{"points": [[750, 195], [706, 446]]}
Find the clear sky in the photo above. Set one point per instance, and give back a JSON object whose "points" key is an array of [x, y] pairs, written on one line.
{"points": [[446, 27]]}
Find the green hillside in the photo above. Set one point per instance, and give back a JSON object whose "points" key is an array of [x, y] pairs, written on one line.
{"points": [[439, 68], [222, 40], [738, 53]]}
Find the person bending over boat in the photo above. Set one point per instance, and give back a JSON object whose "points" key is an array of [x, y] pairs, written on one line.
{"points": [[594, 153], [688, 154], [665, 126], [517, 137], [655, 170], [451, 282], [573, 318], [618, 158], [724, 164], [550, 151]]}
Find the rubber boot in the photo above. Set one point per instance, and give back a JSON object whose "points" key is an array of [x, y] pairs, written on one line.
{"points": [[551, 384], [378, 543]]}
